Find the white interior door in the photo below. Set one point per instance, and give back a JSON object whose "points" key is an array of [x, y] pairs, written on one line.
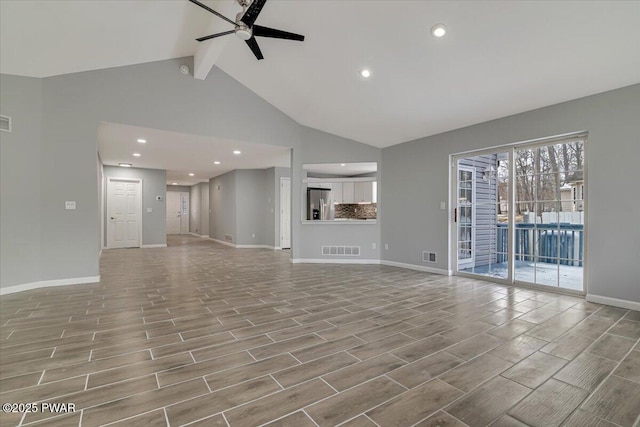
{"points": [[285, 213], [184, 213], [124, 204], [174, 212]]}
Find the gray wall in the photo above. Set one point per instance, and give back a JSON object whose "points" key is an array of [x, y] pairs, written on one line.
{"points": [[194, 210], [154, 224], [199, 209], [270, 208], [243, 205], [251, 207], [20, 182], [222, 203], [204, 208], [415, 178]]}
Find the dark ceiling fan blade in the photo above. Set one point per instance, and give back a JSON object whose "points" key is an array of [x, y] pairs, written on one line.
{"points": [[212, 36], [253, 45], [276, 34], [252, 13], [218, 14]]}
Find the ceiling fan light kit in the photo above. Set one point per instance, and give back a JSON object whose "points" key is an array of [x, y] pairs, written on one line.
{"points": [[244, 27]]}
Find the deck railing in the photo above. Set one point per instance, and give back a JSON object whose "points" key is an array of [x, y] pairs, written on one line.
{"points": [[549, 243]]}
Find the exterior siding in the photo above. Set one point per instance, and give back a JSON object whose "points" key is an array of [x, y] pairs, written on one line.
{"points": [[486, 208]]}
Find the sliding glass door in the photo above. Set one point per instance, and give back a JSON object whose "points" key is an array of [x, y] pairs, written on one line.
{"points": [[520, 213]]}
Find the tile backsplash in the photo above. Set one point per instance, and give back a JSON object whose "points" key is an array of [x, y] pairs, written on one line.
{"points": [[356, 211]]}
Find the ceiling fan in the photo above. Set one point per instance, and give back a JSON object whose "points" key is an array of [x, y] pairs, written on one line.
{"points": [[245, 28]]}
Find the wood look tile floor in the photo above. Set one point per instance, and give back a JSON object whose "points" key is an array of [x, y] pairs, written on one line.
{"points": [[201, 334]]}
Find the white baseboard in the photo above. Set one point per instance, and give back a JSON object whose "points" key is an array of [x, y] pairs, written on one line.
{"points": [[333, 261], [233, 245], [369, 261], [202, 236], [49, 283], [417, 267], [616, 302], [159, 245]]}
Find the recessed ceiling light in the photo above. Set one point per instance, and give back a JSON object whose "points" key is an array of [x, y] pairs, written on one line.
{"points": [[136, 154], [343, 164], [191, 174], [439, 30], [174, 183], [125, 165], [365, 73], [216, 162], [142, 141], [237, 152]]}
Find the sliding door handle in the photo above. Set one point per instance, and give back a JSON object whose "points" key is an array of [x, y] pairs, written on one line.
{"points": [[455, 215]]}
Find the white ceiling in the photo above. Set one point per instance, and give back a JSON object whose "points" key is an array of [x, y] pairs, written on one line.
{"points": [[499, 57], [181, 154]]}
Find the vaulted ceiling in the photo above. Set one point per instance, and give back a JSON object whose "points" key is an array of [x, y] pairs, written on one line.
{"points": [[497, 59]]}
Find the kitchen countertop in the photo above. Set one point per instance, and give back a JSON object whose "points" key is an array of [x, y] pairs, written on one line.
{"points": [[341, 221]]}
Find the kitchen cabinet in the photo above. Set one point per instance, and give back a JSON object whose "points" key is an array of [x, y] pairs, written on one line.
{"points": [[363, 192], [348, 192], [336, 192]]}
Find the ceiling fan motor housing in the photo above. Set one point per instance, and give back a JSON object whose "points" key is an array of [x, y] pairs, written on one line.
{"points": [[242, 30]]}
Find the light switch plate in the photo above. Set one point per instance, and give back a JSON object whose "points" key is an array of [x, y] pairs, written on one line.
{"points": [[69, 205]]}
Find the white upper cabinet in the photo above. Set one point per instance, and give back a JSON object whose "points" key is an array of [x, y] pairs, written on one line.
{"points": [[336, 191], [364, 192], [348, 192]]}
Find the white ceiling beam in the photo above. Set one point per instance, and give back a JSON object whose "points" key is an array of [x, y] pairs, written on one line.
{"points": [[209, 51], [206, 56]]}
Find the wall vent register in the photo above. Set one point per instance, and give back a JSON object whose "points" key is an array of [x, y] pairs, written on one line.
{"points": [[429, 256], [341, 250]]}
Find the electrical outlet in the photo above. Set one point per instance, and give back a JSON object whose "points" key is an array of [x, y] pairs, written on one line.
{"points": [[386, 246], [443, 206], [374, 246], [253, 235], [149, 210], [69, 205]]}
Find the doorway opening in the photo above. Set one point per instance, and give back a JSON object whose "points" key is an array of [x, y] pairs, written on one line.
{"points": [[285, 213], [520, 213], [177, 212]]}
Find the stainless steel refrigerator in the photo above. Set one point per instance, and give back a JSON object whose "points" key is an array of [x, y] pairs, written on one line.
{"points": [[320, 204]]}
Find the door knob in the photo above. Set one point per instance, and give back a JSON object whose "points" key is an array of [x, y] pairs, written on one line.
{"points": [[112, 218]]}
